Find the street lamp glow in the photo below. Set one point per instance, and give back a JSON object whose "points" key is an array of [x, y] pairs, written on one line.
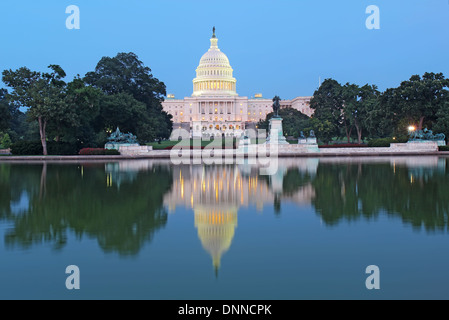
{"points": [[411, 128]]}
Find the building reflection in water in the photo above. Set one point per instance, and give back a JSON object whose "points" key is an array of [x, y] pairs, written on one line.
{"points": [[45, 201], [215, 194]]}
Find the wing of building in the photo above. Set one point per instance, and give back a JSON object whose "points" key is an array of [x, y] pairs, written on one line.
{"points": [[215, 108]]}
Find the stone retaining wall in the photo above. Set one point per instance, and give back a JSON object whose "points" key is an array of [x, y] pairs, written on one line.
{"points": [[135, 150]]}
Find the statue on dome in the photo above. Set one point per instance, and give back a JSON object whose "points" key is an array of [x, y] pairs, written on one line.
{"points": [[276, 106], [213, 31]]}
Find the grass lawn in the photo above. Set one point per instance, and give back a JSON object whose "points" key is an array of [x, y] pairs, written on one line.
{"points": [[167, 143]]}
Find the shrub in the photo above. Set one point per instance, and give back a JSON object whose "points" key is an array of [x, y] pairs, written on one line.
{"points": [[61, 148], [443, 148], [26, 148], [379, 143], [111, 152], [385, 142], [5, 141], [30, 148], [98, 152]]}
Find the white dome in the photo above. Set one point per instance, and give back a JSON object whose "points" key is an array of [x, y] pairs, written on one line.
{"points": [[214, 73], [214, 58]]}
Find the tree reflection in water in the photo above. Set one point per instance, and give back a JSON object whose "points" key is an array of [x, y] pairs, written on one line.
{"points": [[122, 204], [85, 200]]}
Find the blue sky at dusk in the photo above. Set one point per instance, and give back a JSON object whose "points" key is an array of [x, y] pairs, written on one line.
{"points": [[275, 47]]}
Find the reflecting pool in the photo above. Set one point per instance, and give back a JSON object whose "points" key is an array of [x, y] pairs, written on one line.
{"points": [[146, 229]]}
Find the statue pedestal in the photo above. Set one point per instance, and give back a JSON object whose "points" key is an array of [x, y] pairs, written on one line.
{"points": [[276, 124], [311, 141], [302, 141], [116, 146]]}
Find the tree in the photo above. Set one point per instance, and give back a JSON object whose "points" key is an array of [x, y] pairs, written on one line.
{"points": [[382, 117], [5, 141], [126, 74], [420, 98], [442, 123], [349, 94], [84, 102], [327, 102], [293, 122], [5, 115], [358, 102], [123, 111], [42, 93]]}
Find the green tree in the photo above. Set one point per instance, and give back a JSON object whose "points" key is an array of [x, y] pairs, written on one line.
{"points": [[358, 103], [126, 74], [5, 115], [293, 122], [84, 102], [420, 98], [123, 111], [327, 102], [442, 122], [42, 93], [382, 117], [5, 141]]}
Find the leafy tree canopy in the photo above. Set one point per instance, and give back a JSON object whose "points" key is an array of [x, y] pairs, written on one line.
{"points": [[293, 122]]}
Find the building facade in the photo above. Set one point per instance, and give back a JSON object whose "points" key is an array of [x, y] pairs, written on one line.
{"points": [[215, 108]]}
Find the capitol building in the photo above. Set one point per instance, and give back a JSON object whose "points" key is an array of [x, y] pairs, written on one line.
{"points": [[215, 108]]}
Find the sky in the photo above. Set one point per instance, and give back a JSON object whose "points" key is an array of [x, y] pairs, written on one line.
{"points": [[276, 47]]}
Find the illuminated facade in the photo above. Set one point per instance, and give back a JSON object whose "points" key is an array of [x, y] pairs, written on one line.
{"points": [[215, 108]]}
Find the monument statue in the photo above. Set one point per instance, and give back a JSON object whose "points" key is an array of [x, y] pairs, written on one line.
{"points": [[301, 135], [312, 134], [276, 106], [426, 134], [276, 133], [119, 137]]}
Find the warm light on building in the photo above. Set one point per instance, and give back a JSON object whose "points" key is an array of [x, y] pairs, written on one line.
{"points": [[214, 92]]}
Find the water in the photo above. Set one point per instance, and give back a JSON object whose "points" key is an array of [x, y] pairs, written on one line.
{"points": [[149, 230]]}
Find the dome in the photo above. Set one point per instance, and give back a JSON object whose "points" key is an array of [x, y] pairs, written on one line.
{"points": [[214, 73], [216, 229]]}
